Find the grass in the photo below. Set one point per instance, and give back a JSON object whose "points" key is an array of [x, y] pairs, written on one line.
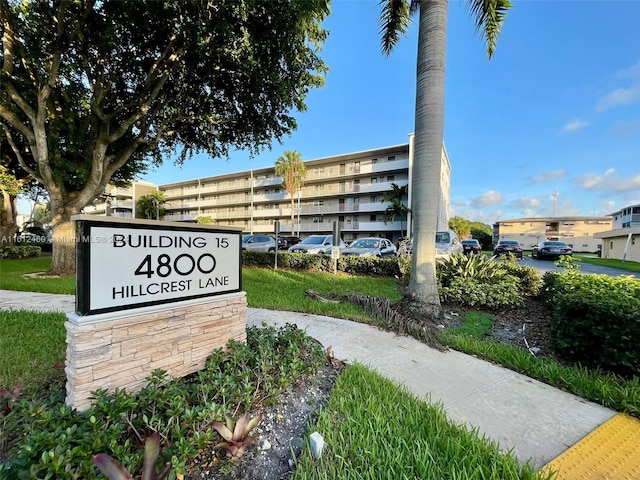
{"points": [[31, 344], [284, 290], [12, 271], [608, 262], [476, 324], [375, 429]]}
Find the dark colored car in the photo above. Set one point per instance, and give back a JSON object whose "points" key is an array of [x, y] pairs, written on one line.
{"points": [[471, 246], [551, 249], [286, 242], [504, 247]]}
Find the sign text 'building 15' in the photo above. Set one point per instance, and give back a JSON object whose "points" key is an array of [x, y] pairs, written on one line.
{"points": [[133, 265]]}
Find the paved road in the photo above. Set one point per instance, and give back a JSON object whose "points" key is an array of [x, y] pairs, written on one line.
{"points": [[549, 266]]}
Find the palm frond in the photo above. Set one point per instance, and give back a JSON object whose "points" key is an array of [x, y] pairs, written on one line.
{"points": [[395, 18], [489, 16]]}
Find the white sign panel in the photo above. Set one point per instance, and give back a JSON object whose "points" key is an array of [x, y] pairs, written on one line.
{"points": [[137, 266]]}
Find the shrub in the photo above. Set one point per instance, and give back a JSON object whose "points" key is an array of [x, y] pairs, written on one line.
{"points": [[529, 277], [500, 293], [20, 251], [51, 440], [386, 267], [477, 267], [383, 267], [595, 320]]}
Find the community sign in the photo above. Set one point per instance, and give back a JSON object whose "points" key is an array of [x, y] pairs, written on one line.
{"points": [[136, 263]]}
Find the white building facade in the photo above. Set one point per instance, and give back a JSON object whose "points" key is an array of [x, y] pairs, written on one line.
{"points": [[347, 189]]}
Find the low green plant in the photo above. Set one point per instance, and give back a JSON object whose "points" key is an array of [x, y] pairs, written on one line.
{"points": [[530, 282], [114, 470], [501, 293], [48, 439], [236, 434], [595, 320], [20, 251], [477, 267]]}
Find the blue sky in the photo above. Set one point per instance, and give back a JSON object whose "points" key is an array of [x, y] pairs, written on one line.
{"points": [[557, 109]]}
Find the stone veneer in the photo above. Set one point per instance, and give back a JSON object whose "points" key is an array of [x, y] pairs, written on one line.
{"points": [[121, 349]]}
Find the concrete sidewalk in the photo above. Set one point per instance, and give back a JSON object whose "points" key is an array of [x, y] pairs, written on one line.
{"points": [[536, 421]]}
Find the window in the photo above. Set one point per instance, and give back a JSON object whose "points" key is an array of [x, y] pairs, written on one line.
{"points": [[610, 245], [373, 199], [374, 180], [319, 219], [318, 203], [374, 161], [390, 178], [372, 218], [391, 158]]}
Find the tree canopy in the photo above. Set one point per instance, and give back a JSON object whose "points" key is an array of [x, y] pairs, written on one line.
{"points": [[95, 91]]}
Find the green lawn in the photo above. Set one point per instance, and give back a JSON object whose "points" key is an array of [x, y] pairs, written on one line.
{"points": [[607, 262]]}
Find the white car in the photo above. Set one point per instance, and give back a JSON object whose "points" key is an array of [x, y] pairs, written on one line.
{"points": [[371, 246], [315, 244], [259, 243], [447, 243]]}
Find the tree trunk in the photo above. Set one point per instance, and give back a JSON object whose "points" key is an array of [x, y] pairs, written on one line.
{"points": [[293, 230], [63, 261], [429, 132], [8, 222]]}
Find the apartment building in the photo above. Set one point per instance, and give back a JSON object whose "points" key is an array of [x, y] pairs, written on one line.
{"points": [[121, 201], [622, 242], [578, 232], [346, 188]]}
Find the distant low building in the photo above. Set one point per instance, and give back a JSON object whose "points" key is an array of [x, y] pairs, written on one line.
{"points": [[622, 242], [577, 232]]}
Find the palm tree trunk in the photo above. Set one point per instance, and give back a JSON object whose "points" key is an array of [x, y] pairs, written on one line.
{"points": [[429, 132]]}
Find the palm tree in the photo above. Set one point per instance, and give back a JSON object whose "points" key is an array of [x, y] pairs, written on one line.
{"points": [[293, 172], [397, 208], [395, 18]]}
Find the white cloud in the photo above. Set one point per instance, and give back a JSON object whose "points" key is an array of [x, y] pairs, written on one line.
{"points": [[574, 126], [620, 96], [609, 181], [549, 176], [488, 199], [526, 202], [623, 128], [631, 72]]}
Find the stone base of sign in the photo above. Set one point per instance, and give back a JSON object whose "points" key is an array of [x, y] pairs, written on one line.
{"points": [[121, 349]]}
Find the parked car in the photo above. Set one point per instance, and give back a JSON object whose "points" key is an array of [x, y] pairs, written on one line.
{"points": [[371, 246], [286, 242], [471, 246], [550, 249], [259, 243], [504, 247], [447, 243], [315, 244]]}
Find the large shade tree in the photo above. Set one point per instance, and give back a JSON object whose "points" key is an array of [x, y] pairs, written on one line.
{"points": [[289, 166], [97, 90], [395, 19]]}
